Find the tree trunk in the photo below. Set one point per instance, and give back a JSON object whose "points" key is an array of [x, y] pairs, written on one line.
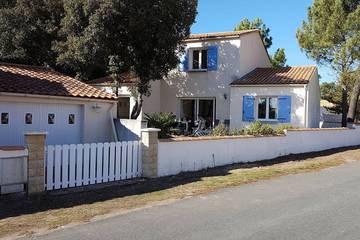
{"points": [[344, 107], [354, 101], [137, 108]]}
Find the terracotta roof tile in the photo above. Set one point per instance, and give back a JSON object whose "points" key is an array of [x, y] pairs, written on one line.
{"points": [[215, 35], [274, 76], [107, 80], [15, 78]]}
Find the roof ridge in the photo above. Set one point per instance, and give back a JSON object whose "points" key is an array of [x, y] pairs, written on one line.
{"points": [[220, 34], [24, 65], [228, 32], [303, 66]]}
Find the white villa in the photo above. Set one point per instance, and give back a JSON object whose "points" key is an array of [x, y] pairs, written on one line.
{"points": [[227, 77]]}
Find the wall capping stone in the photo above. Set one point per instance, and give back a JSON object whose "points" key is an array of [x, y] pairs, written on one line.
{"points": [[150, 130]]}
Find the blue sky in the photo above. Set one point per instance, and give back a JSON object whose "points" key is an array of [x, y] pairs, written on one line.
{"points": [[283, 17]]}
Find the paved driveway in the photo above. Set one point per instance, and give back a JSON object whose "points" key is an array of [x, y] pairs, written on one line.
{"points": [[320, 205]]}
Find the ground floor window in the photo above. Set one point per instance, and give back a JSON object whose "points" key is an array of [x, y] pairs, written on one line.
{"points": [[267, 108], [123, 108], [193, 110]]}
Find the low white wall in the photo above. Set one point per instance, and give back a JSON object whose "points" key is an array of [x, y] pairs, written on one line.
{"points": [[181, 156], [13, 170], [130, 129]]}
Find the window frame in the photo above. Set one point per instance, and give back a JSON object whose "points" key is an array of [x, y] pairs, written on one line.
{"points": [[53, 121], [31, 118], [73, 119], [196, 107], [267, 113], [200, 69], [8, 118]]}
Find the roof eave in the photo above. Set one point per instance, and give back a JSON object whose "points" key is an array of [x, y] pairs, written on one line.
{"points": [[79, 98], [269, 85], [217, 38]]}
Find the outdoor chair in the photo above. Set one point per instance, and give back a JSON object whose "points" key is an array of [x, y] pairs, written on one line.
{"points": [[201, 129]]}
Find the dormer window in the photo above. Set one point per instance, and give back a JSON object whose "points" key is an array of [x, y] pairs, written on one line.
{"points": [[200, 59]]}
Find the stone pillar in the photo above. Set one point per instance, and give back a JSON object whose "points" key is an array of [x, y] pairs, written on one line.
{"points": [[35, 142], [149, 141]]}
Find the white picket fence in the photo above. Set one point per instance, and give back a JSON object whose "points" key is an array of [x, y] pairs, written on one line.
{"points": [[83, 164]]}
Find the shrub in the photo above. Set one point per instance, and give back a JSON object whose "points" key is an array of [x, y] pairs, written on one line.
{"points": [[258, 128], [280, 129], [162, 120], [220, 130], [236, 132]]}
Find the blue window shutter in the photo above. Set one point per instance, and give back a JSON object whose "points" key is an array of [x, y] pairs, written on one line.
{"points": [[212, 58], [248, 108], [284, 114], [184, 62]]}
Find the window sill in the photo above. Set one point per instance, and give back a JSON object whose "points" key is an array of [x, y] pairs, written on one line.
{"points": [[198, 70], [268, 120]]}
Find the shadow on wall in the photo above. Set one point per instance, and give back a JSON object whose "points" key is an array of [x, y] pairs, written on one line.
{"points": [[127, 132]]}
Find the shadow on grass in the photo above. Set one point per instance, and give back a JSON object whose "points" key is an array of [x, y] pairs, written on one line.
{"points": [[15, 205]]}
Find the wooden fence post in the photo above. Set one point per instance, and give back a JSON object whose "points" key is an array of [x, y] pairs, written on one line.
{"points": [[35, 142]]}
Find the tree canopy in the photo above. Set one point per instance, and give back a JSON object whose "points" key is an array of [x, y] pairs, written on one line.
{"points": [[331, 92], [143, 37], [331, 36], [83, 38], [279, 58], [28, 30]]}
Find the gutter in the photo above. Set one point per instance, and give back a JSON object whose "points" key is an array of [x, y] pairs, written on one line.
{"points": [[271, 85], [85, 99], [306, 88]]}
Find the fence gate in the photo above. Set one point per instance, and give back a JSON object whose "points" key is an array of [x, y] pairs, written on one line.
{"points": [[84, 164]]}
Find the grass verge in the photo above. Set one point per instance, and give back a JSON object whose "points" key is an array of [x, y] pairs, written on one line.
{"points": [[25, 216]]}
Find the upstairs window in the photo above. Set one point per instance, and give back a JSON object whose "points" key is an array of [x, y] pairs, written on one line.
{"points": [[200, 59], [204, 59]]}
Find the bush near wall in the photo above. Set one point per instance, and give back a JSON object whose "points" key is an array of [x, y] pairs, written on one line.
{"points": [[162, 120], [255, 129]]}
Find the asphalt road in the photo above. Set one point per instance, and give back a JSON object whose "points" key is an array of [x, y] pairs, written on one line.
{"points": [[316, 206]]}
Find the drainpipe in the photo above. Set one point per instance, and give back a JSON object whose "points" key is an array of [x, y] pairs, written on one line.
{"points": [[306, 88], [112, 122]]}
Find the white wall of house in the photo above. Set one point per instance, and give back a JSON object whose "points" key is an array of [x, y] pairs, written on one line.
{"points": [[313, 113], [236, 57], [92, 119], [253, 53], [297, 93], [182, 156]]}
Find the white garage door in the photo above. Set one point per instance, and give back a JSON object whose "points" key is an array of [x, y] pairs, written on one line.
{"points": [[63, 122]]}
